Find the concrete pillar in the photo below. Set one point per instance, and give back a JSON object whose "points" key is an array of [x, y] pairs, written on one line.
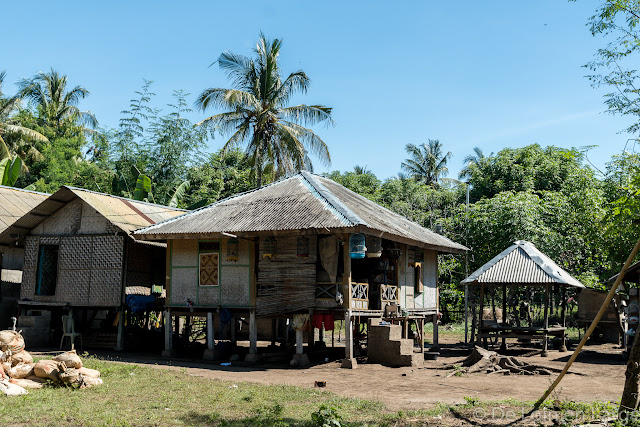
{"points": [[349, 361], [168, 336], [311, 335], [299, 359], [253, 338], [210, 352]]}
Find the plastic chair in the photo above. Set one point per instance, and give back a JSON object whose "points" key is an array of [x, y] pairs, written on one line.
{"points": [[68, 330]]}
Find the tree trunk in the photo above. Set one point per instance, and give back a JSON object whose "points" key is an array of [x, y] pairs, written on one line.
{"points": [[629, 401]]}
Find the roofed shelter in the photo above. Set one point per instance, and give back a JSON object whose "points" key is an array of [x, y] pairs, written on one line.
{"points": [[521, 264], [284, 250], [79, 255], [14, 202]]}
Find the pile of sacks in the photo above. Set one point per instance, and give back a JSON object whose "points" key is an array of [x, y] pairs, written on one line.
{"points": [[63, 369]]}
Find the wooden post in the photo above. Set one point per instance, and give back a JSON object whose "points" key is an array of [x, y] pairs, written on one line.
{"points": [[545, 353], [503, 347], [422, 335], [232, 329], [312, 332], [480, 309], [435, 346], [210, 337], [120, 339], [274, 331], [349, 361], [168, 335], [253, 333], [563, 317]]}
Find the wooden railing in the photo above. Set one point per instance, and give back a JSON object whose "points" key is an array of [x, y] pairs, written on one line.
{"points": [[388, 294], [327, 290], [360, 296]]}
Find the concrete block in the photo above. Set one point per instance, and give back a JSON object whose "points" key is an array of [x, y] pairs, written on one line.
{"points": [[299, 360], [168, 354], [349, 363], [252, 358], [212, 354]]}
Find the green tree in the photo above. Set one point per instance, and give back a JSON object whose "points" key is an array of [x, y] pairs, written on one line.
{"points": [[366, 184], [428, 162], [55, 102], [530, 168], [614, 65], [17, 136], [257, 114], [472, 160]]}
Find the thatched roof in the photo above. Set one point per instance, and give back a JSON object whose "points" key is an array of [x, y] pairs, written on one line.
{"points": [[521, 264], [125, 214], [301, 203]]}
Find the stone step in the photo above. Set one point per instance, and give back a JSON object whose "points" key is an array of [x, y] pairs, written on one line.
{"points": [[386, 332]]}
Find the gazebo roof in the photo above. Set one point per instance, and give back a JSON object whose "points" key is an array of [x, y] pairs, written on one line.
{"points": [[522, 264]]}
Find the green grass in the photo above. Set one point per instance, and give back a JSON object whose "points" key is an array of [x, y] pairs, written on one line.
{"points": [[141, 396]]}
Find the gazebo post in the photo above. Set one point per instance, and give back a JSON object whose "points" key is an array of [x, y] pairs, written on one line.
{"points": [[563, 317], [480, 314], [503, 347], [545, 353]]}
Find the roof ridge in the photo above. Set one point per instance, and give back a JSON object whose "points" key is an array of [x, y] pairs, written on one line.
{"points": [[72, 188], [332, 200], [211, 205], [24, 190]]}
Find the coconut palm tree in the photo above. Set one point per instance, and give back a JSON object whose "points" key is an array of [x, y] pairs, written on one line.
{"points": [[427, 163], [56, 104], [257, 114], [9, 128], [477, 158]]}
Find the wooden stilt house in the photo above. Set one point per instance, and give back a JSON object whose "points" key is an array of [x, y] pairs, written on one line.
{"points": [[14, 203], [302, 245], [79, 255]]}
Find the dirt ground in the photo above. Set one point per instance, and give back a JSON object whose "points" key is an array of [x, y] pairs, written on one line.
{"points": [[602, 368]]}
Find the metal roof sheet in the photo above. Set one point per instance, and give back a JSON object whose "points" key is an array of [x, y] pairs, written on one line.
{"points": [[15, 202], [522, 264], [301, 202], [126, 214]]}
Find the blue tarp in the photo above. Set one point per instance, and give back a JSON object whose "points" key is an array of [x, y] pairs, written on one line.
{"points": [[141, 302]]}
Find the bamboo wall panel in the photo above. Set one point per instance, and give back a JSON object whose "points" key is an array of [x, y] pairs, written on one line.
{"points": [[184, 253], [107, 252], [65, 221], [430, 279], [73, 287], [184, 284], [286, 283], [27, 289], [75, 253], [243, 253], [105, 287], [235, 285], [209, 296]]}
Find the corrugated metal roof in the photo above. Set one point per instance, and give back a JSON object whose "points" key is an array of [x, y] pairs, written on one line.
{"points": [[15, 202], [301, 202], [522, 264], [126, 214]]}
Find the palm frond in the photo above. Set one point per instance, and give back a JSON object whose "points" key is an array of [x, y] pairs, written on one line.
{"points": [[308, 114], [25, 132]]}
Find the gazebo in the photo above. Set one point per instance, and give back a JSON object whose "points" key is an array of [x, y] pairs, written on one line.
{"points": [[522, 264]]}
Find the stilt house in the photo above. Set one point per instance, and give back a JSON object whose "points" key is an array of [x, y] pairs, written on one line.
{"points": [[302, 245], [14, 203], [79, 255]]}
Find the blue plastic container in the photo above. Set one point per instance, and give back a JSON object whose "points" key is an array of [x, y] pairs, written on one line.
{"points": [[357, 247]]}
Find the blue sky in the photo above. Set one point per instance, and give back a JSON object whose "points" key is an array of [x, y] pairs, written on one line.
{"points": [[492, 74]]}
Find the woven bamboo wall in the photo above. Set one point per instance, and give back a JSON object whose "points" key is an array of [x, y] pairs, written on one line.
{"points": [[234, 279], [286, 283], [89, 270], [145, 264]]}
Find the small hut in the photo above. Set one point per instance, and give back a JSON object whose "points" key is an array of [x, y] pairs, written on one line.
{"points": [[521, 264], [14, 203], [303, 246], [79, 256]]}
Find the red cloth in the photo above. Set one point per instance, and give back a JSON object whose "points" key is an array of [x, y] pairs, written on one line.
{"points": [[317, 321], [328, 322]]}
